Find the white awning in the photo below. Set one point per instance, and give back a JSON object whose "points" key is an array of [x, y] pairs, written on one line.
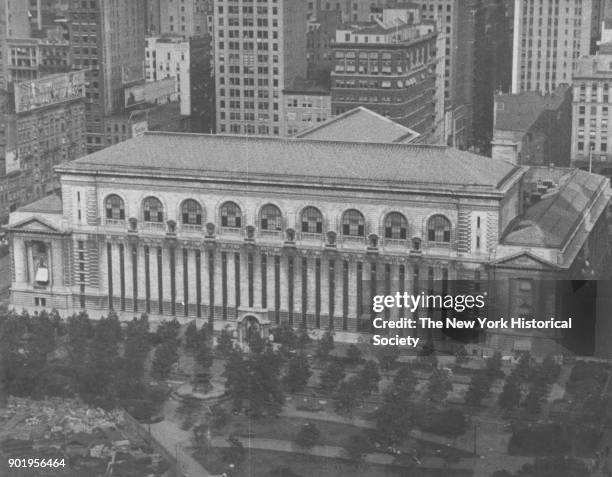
{"points": [[42, 275]]}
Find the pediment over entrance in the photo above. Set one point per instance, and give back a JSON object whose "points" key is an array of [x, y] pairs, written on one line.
{"points": [[34, 224], [525, 260]]}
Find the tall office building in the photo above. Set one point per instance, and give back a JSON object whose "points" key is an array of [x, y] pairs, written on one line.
{"points": [[549, 37], [14, 23], [108, 42], [455, 22], [187, 18], [388, 67], [260, 48]]}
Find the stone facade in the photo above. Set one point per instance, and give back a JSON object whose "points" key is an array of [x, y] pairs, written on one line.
{"points": [[300, 252]]}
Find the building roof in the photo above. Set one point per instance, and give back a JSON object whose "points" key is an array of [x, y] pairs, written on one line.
{"points": [[595, 66], [51, 204], [551, 221], [268, 160], [361, 125], [304, 86], [518, 112]]}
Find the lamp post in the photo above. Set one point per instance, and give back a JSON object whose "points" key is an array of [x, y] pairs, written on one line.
{"points": [[591, 147]]}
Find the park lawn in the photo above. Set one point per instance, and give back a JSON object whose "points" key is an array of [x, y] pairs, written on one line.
{"points": [[332, 433], [260, 463]]}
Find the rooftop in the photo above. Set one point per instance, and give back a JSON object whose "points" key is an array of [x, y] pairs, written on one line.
{"points": [[551, 221], [596, 65], [304, 86], [518, 112], [361, 125], [298, 161], [51, 204]]}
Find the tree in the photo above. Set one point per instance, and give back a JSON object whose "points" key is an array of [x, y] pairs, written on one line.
{"points": [[494, 365], [387, 356], [510, 396], [405, 382], [345, 398], [191, 337], [254, 379], [98, 384], [285, 335], [225, 343], [166, 354], [203, 352], [554, 467], [447, 422], [461, 355], [478, 388], [357, 446], [368, 378], [307, 436], [438, 387], [132, 365], [326, 345], [298, 373], [331, 376], [353, 354], [394, 417], [533, 400]]}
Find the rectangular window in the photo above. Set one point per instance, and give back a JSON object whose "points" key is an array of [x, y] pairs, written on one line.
{"points": [[304, 290], [211, 288], [109, 262], [135, 277], [172, 281], [122, 274], [185, 282], [318, 293], [345, 294], [290, 267], [264, 281], [237, 278], [160, 282], [277, 289], [332, 292], [359, 290], [147, 280], [198, 260], [224, 283], [250, 272]]}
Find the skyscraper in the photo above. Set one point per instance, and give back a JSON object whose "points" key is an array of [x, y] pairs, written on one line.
{"points": [[259, 50], [549, 37], [107, 40], [14, 23]]}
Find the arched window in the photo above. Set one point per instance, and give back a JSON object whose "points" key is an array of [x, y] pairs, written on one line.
{"points": [[396, 226], [153, 210], [438, 229], [231, 216], [270, 218], [115, 208], [312, 220], [191, 213], [353, 223]]}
